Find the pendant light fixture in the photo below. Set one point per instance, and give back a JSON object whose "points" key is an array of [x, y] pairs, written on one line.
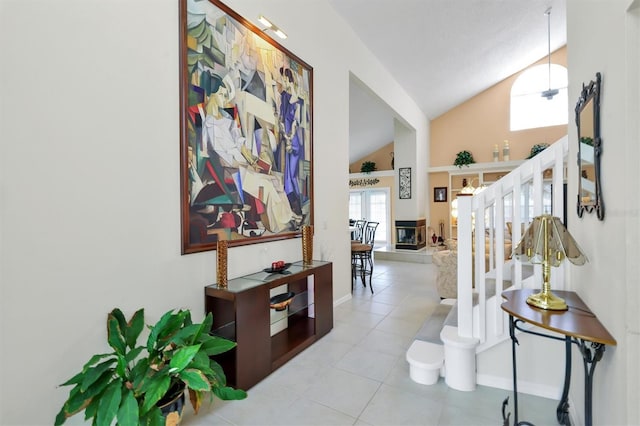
{"points": [[550, 93]]}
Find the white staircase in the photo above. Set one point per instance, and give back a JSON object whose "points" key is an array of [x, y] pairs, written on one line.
{"points": [[517, 197]]}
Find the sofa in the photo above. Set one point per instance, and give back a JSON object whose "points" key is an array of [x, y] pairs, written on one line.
{"points": [[446, 262]]}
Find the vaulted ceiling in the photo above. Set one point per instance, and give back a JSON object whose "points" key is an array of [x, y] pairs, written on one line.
{"points": [[443, 52]]}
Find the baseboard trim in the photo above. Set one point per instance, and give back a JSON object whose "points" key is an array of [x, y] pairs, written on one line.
{"points": [[342, 300], [529, 388]]}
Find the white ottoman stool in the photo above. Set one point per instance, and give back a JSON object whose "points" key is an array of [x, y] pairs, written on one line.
{"points": [[425, 361]]}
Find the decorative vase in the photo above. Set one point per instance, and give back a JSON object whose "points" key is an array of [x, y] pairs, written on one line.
{"points": [[307, 244], [221, 266], [505, 151]]}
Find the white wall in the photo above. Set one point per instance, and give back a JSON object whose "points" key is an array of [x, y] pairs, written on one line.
{"points": [[603, 37], [89, 195]]}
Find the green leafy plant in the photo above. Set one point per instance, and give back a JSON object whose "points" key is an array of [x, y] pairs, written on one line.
{"points": [[126, 384], [537, 149], [368, 167], [587, 140], [463, 158]]}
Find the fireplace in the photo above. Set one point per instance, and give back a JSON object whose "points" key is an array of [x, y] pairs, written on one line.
{"points": [[411, 234]]}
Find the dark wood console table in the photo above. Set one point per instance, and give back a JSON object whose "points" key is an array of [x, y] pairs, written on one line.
{"points": [[578, 325], [241, 312]]}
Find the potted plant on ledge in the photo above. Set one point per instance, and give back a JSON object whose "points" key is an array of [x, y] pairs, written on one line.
{"points": [[131, 383], [368, 167], [463, 158]]}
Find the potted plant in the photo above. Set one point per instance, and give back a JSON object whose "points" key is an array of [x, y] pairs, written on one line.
{"points": [[463, 158], [587, 140], [368, 167], [129, 384], [537, 149]]}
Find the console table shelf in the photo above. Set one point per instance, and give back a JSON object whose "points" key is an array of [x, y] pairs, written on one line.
{"points": [[579, 326], [241, 313]]}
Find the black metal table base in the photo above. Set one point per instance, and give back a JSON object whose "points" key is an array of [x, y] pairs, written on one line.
{"points": [[591, 354]]}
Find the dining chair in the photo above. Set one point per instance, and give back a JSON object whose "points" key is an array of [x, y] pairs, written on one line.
{"points": [[358, 232], [362, 256]]}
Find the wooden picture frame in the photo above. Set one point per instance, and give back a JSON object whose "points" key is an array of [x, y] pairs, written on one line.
{"points": [[440, 194], [246, 136], [404, 174]]}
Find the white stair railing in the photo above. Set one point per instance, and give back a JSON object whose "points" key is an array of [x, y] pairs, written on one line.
{"points": [[482, 231]]}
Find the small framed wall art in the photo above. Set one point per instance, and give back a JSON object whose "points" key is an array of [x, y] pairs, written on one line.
{"points": [[440, 194], [405, 183]]}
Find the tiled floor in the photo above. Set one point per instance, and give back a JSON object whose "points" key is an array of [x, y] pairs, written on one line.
{"points": [[357, 374]]}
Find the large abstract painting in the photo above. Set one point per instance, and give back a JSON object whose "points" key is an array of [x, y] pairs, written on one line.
{"points": [[246, 132]]}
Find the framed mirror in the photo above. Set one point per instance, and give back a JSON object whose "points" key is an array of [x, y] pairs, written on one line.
{"points": [[589, 149]]}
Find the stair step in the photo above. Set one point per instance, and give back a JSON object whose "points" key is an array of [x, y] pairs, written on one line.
{"points": [[426, 362], [426, 354], [452, 317], [430, 330]]}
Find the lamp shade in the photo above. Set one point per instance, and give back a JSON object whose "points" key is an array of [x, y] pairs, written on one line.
{"points": [[547, 233], [548, 242]]}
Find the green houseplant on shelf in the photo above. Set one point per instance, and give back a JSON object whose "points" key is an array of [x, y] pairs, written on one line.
{"points": [[129, 384], [463, 158], [368, 167]]}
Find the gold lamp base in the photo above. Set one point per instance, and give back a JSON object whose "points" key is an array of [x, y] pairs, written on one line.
{"points": [[547, 300]]}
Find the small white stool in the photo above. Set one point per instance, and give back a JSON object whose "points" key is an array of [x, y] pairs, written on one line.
{"points": [[425, 362]]}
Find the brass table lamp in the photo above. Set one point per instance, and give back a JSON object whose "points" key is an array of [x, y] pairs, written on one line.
{"points": [[548, 242]]}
